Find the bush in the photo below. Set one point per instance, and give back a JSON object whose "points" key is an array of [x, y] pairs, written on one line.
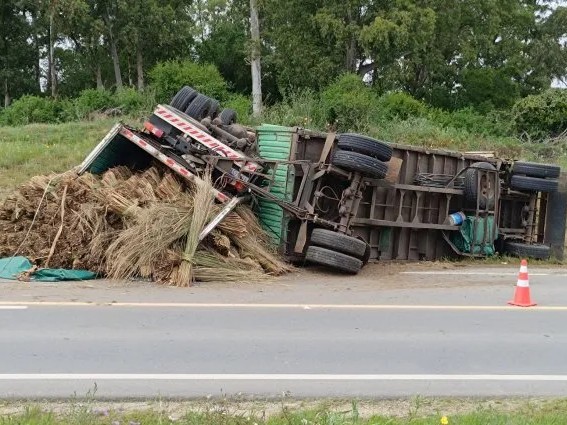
{"points": [[300, 108], [131, 101], [168, 77], [92, 100], [348, 103], [401, 105], [543, 115], [492, 124], [241, 104], [32, 109]]}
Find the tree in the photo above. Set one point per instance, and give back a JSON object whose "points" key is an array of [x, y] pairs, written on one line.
{"points": [[16, 54], [255, 60]]}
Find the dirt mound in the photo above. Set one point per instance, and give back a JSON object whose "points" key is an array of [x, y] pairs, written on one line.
{"points": [[124, 224]]}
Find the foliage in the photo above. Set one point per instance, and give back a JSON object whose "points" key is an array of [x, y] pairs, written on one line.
{"points": [[347, 103], [543, 115], [298, 108], [401, 105], [241, 104], [92, 100], [130, 101], [168, 77], [494, 123], [32, 109]]}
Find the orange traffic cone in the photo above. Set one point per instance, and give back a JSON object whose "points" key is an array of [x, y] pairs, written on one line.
{"points": [[522, 295]]}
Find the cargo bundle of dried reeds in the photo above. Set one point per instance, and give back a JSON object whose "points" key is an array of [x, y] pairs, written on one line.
{"points": [[125, 225]]}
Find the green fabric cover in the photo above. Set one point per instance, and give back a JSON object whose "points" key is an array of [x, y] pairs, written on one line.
{"points": [[11, 267], [470, 234]]}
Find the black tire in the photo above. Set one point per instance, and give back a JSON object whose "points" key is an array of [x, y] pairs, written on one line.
{"points": [[338, 242], [518, 249], [357, 162], [532, 169], [488, 196], [214, 109], [333, 259], [199, 107], [228, 116], [533, 184], [183, 98], [365, 145]]}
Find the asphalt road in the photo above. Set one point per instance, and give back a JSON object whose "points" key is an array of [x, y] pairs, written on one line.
{"points": [[301, 345]]}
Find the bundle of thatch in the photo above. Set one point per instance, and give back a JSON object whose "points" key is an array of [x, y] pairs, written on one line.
{"points": [[124, 225]]}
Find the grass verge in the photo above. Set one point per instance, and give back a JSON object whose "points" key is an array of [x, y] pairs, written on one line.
{"points": [[419, 412], [44, 148]]}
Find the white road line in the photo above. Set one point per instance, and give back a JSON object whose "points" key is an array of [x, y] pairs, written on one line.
{"points": [[13, 307], [495, 273], [269, 377], [252, 306]]}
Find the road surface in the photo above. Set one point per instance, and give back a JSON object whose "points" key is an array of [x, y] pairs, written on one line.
{"points": [[431, 332]]}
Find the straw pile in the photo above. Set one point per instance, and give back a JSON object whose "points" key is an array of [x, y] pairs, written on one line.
{"points": [[126, 225]]}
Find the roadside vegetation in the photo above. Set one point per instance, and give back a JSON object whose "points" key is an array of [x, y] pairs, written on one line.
{"points": [[41, 135], [547, 413]]}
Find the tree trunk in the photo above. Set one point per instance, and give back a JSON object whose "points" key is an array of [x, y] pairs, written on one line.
{"points": [[256, 59], [52, 70], [140, 68], [351, 56], [115, 60], [7, 99], [98, 73]]}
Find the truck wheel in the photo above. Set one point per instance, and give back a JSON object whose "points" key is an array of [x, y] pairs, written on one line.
{"points": [[333, 259], [365, 145], [199, 107], [537, 251], [486, 197], [214, 109], [228, 116], [357, 162], [338, 242], [183, 98], [532, 169], [533, 184]]}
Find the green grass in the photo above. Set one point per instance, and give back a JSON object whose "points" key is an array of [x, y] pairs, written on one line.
{"points": [[44, 148], [526, 413]]}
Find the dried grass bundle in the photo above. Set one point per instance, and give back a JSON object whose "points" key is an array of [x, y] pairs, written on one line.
{"points": [[139, 248], [127, 225], [204, 199]]}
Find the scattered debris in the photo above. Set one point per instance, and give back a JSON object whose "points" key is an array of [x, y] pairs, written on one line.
{"points": [[126, 224]]}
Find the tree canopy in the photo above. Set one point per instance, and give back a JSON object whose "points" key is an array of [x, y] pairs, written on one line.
{"points": [[450, 53]]}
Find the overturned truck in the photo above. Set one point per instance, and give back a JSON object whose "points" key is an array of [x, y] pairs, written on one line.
{"points": [[341, 200]]}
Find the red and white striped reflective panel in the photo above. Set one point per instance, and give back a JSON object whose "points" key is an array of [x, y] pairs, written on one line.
{"points": [[204, 138], [171, 163]]}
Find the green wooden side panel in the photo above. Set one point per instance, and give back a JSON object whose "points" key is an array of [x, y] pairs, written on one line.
{"points": [[274, 143]]}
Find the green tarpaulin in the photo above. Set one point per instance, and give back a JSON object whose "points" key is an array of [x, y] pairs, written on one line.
{"points": [[11, 268], [479, 233]]}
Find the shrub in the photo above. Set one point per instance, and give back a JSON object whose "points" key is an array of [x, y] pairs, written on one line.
{"points": [[32, 109], [543, 115], [348, 103], [168, 77], [297, 108], [131, 101], [241, 104], [92, 100], [492, 124], [400, 105]]}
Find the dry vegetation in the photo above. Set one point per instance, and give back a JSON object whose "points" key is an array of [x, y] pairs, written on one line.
{"points": [[124, 224]]}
